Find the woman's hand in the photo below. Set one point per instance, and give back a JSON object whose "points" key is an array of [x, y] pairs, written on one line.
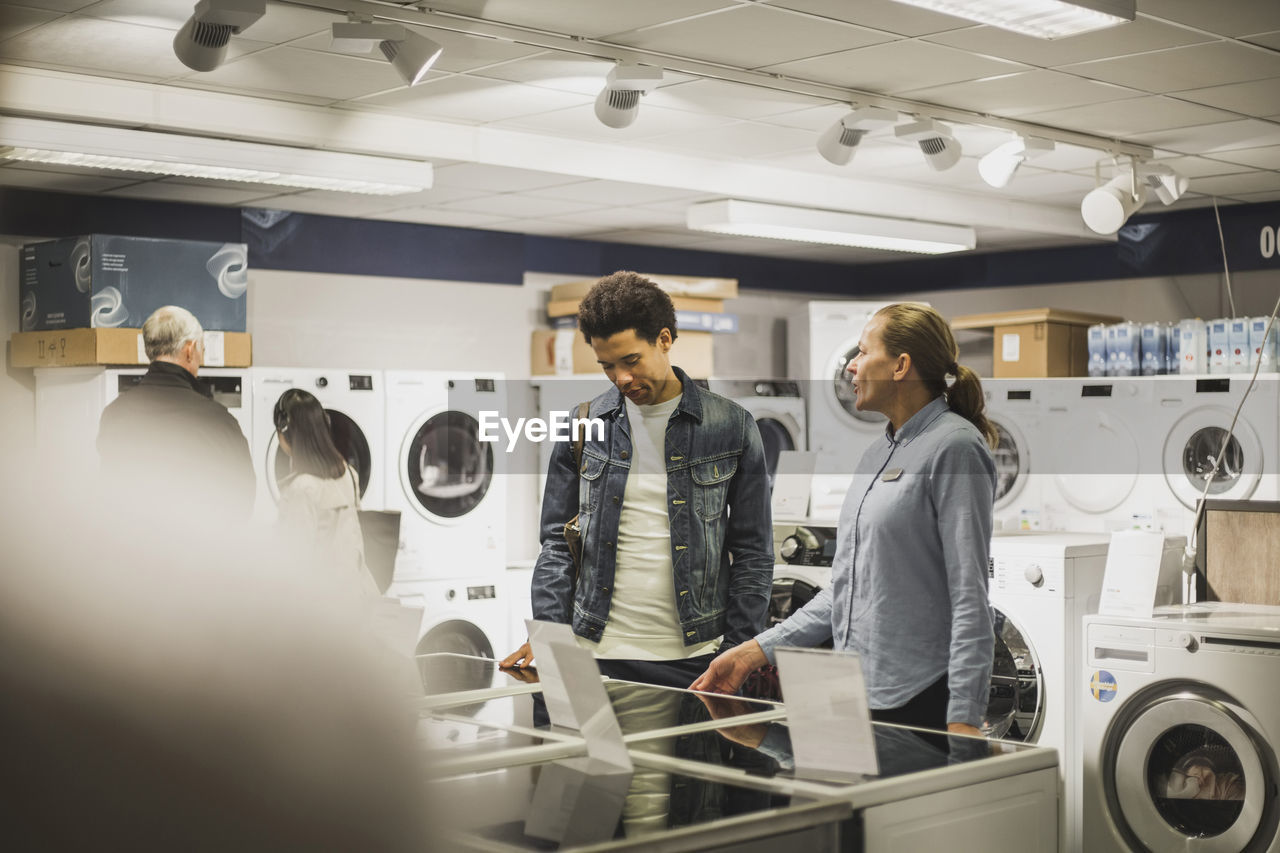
{"points": [[727, 672], [522, 656]]}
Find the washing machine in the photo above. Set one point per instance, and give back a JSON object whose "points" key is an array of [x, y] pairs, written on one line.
{"points": [[1179, 719], [464, 616], [70, 400], [354, 402], [449, 486], [778, 407], [838, 432], [1014, 407]]}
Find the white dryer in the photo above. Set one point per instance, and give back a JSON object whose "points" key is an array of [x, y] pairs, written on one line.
{"points": [[1180, 716], [838, 432], [1014, 406], [354, 402], [465, 616], [778, 407], [449, 486]]}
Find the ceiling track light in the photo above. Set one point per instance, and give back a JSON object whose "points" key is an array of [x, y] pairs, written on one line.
{"points": [[1167, 184], [941, 150], [1106, 208], [830, 227], [837, 142], [201, 43], [410, 54], [1046, 19], [147, 152], [618, 103], [998, 166]]}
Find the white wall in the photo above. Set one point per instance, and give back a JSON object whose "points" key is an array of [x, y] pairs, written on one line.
{"points": [[17, 385]]}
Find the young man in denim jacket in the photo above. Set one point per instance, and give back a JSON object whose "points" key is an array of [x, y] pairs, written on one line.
{"points": [[673, 505]]}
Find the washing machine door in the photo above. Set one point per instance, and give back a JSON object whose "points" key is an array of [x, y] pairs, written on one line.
{"points": [[348, 437], [445, 470], [1013, 461], [1097, 465], [1195, 442], [1015, 703], [838, 390], [1184, 767], [776, 436]]}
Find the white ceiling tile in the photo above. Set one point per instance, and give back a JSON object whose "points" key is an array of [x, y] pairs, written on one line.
{"points": [[579, 74], [580, 17], [149, 13], [745, 139], [870, 158], [1021, 94], [461, 52], [679, 205], [815, 120], [519, 206], [1209, 138], [16, 20], [1031, 184], [1201, 167], [438, 216], [497, 179], [542, 227], [751, 37], [1131, 115], [614, 193], [306, 72], [1233, 18], [1064, 158], [1135, 37], [342, 204], [1179, 68], [1257, 198], [896, 67], [162, 190], [623, 218], [58, 5], [460, 98], [40, 179], [1231, 185], [95, 45], [280, 23], [1255, 98], [1266, 157], [887, 15], [581, 123], [198, 82], [735, 100], [1271, 40]]}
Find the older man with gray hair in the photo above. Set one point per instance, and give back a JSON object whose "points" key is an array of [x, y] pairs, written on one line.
{"points": [[166, 442]]}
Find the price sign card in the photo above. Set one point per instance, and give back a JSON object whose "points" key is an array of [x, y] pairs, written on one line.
{"points": [[1132, 575], [542, 635], [827, 713]]}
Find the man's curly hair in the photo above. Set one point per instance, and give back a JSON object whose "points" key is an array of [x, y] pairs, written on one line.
{"points": [[622, 301]]}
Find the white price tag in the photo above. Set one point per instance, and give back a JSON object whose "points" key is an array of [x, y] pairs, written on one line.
{"points": [[1132, 575], [1010, 346], [562, 351], [827, 713], [215, 354]]}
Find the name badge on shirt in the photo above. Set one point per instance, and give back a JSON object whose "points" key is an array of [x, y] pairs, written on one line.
{"points": [[891, 475]]}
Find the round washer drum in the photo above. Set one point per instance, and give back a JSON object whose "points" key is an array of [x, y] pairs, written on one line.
{"points": [[1013, 462], [1102, 455], [445, 470], [838, 391], [347, 437], [1193, 444]]}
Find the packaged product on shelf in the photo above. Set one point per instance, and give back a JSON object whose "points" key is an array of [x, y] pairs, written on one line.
{"points": [[1172, 348], [1238, 345], [1260, 349], [1219, 346], [1153, 349], [1098, 350], [1193, 346], [1124, 354]]}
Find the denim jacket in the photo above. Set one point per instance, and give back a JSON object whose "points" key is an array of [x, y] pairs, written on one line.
{"points": [[721, 530]]}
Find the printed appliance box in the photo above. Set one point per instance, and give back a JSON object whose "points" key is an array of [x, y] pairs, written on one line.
{"points": [[104, 281], [563, 352], [75, 347], [1037, 341]]}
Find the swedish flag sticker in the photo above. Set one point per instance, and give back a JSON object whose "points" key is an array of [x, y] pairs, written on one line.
{"points": [[1103, 686]]}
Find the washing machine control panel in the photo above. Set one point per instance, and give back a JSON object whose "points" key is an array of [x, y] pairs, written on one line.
{"points": [[1031, 575]]}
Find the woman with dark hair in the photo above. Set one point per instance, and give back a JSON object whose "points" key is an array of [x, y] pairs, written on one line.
{"points": [[909, 579], [320, 500]]}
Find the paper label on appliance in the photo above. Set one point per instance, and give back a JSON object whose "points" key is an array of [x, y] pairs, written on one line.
{"points": [[1132, 575], [1010, 345], [562, 351], [215, 353], [541, 637], [827, 713], [792, 480], [142, 351]]}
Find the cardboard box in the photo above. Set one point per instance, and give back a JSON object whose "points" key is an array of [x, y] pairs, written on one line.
{"points": [[105, 281], [76, 347], [1037, 341], [676, 285], [569, 307], [563, 352]]}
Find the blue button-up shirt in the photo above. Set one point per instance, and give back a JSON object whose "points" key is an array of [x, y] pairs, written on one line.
{"points": [[909, 579]]}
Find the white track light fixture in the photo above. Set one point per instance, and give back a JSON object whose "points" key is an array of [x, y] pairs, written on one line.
{"points": [[1046, 19], [1167, 184], [837, 142], [201, 44], [618, 103], [1109, 206], [409, 53], [941, 150], [998, 166]]}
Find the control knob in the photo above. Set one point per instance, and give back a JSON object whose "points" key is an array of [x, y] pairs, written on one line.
{"points": [[789, 547], [1034, 575], [1187, 640]]}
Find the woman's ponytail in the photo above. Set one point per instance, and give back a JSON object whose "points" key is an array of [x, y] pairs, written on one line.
{"points": [[966, 399]]}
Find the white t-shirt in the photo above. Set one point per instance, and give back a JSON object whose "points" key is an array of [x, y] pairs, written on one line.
{"points": [[643, 621]]}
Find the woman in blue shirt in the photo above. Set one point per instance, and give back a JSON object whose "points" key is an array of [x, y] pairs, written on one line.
{"points": [[909, 578]]}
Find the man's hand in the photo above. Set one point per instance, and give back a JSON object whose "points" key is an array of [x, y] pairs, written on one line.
{"points": [[727, 672], [522, 656], [963, 729]]}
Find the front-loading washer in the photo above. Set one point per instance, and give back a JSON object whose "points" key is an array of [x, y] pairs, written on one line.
{"points": [[838, 432], [1180, 715], [354, 402], [1014, 407], [449, 485], [463, 616], [778, 408]]}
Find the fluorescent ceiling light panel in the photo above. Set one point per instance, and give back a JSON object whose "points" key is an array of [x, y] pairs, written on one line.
{"points": [[1046, 19], [806, 225], [92, 147]]}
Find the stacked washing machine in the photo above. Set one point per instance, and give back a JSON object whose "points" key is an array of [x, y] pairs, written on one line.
{"points": [[450, 489], [778, 408], [1014, 406], [1180, 718]]}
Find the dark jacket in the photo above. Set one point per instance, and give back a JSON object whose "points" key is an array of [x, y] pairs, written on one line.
{"points": [[166, 440], [721, 533]]}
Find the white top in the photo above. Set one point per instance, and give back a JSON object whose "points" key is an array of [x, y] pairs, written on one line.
{"points": [[322, 516], [643, 621]]}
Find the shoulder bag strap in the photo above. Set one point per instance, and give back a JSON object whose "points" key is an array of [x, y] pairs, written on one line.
{"points": [[579, 435]]}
